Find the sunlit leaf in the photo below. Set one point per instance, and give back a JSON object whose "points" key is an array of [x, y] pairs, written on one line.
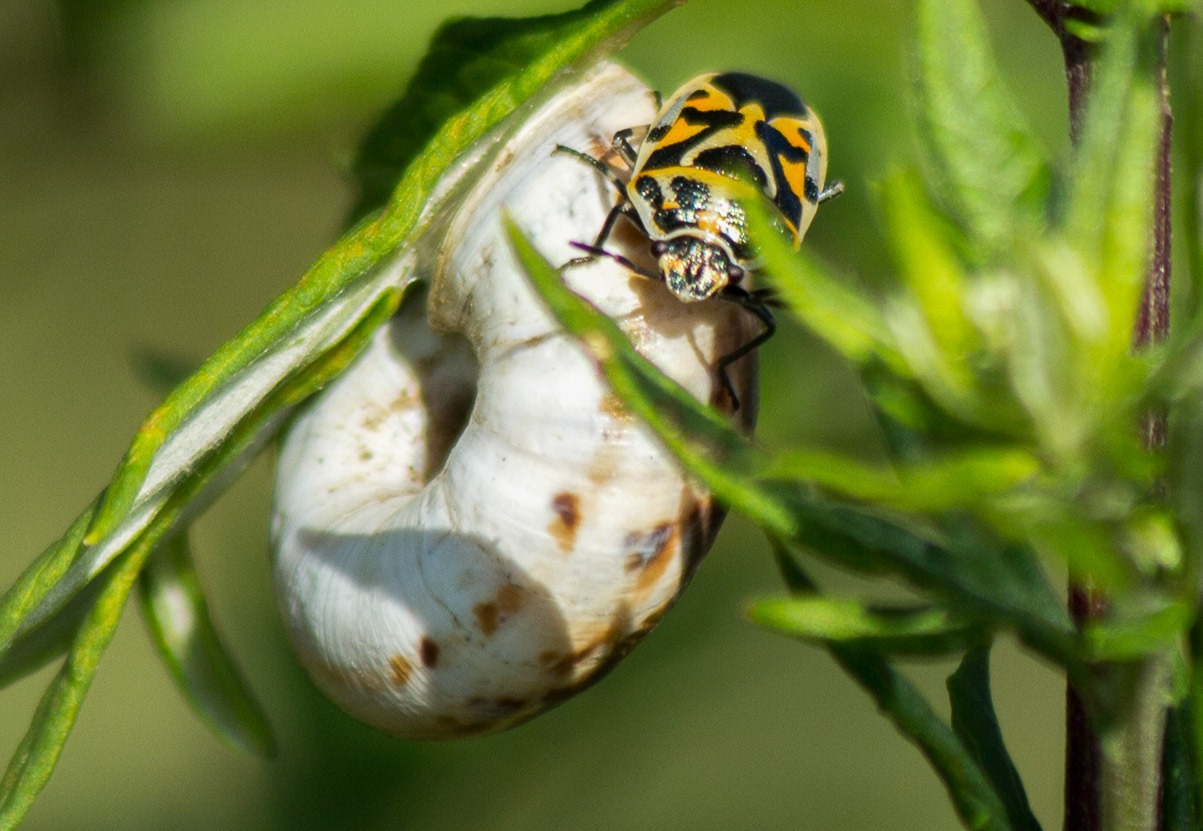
{"points": [[923, 630], [987, 161]]}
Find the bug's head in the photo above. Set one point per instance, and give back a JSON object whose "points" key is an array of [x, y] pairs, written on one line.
{"points": [[694, 268]]}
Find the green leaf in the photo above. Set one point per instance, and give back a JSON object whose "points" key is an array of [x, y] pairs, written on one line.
{"points": [[987, 162], [955, 481], [829, 305], [39, 749], [972, 795], [706, 444], [976, 724], [196, 421], [35, 757], [50, 640], [37, 580], [177, 615], [470, 60], [915, 630]]}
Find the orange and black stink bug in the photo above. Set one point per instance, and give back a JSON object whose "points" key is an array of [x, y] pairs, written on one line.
{"points": [[716, 136]]}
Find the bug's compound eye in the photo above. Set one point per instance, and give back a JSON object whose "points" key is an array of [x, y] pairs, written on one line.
{"points": [[659, 247], [735, 274]]}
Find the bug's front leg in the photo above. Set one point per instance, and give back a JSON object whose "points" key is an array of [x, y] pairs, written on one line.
{"points": [[756, 303]]}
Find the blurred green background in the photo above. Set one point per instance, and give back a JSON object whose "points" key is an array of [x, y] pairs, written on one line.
{"points": [[169, 166]]}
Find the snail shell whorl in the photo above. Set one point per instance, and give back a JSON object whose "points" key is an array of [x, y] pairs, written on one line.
{"points": [[439, 585]]}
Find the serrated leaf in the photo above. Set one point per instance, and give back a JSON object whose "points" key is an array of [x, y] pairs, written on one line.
{"points": [[182, 630], [970, 791], [913, 630], [986, 159], [375, 257], [976, 724]]}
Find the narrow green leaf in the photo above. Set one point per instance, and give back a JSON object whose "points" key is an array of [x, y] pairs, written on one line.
{"points": [[469, 59], [915, 630], [177, 615], [976, 724], [50, 640], [986, 160], [533, 62], [956, 480], [33, 584], [39, 750], [830, 306], [972, 795], [708, 446]]}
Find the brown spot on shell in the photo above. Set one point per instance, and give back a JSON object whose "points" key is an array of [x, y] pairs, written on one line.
{"points": [[487, 617], [567, 509], [428, 651], [492, 614], [501, 706], [650, 553], [401, 670]]}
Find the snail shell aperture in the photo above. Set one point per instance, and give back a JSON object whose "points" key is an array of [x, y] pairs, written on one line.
{"points": [[468, 526]]}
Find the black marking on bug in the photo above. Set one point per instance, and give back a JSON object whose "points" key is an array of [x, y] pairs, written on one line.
{"points": [[775, 98], [712, 120], [690, 193], [657, 133], [779, 148], [734, 161], [811, 190], [649, 189]]}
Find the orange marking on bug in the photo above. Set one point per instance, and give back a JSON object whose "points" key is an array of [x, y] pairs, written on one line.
{"points": [[681, 131], [709, 99], [792, 129]]}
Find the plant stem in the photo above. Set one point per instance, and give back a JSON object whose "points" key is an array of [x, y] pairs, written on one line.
{"points": [[1129, 770]]}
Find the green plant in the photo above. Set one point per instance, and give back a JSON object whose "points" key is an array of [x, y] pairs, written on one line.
{"points": [[1000, 366]]}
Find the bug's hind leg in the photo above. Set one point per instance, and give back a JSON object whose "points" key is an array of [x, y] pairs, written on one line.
{"points": [[758, 304]]}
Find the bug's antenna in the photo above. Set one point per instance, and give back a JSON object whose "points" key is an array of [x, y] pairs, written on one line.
{"points": [[594, 251]]}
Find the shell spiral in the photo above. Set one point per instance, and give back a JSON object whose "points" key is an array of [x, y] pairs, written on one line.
{"points": [[468, 527]]}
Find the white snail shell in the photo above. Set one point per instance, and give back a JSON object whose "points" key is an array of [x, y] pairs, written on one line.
{"points": [[438, 583]]}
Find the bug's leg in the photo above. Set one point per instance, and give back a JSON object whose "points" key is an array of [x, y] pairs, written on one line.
{"points": [[767, 297], [831, 191], [623, 208], [597, 164], [622, 144], [595, 252], [756, 304]]}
